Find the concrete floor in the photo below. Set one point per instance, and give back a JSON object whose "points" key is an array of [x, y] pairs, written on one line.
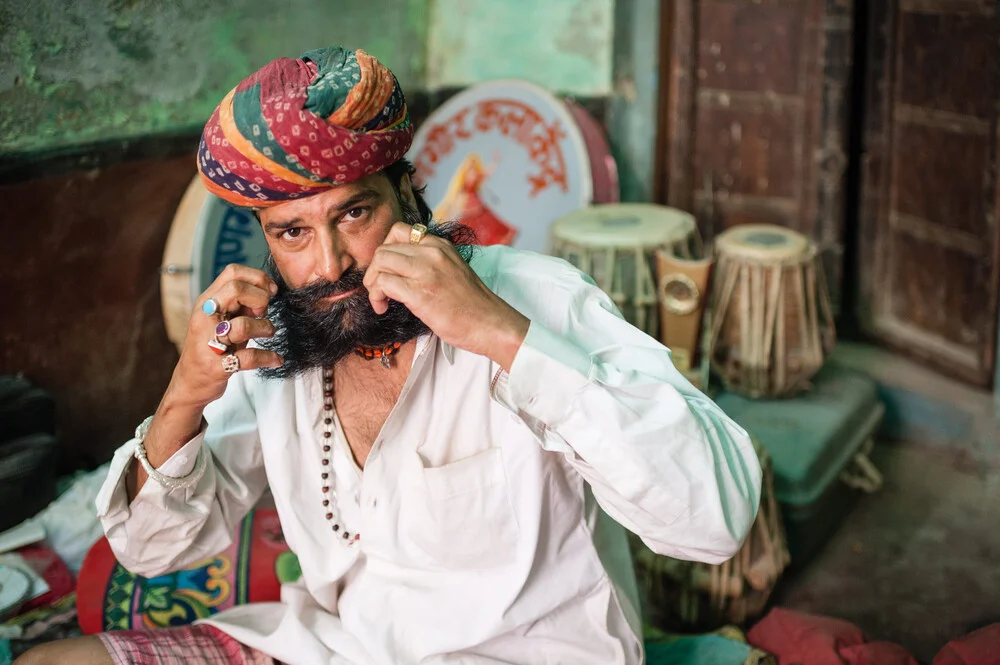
{"points": [[917, 563]]}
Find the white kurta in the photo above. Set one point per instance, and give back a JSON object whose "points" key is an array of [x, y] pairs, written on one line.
{"points": [[481, 540]]}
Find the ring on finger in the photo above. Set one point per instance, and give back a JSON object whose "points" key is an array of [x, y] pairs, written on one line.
{"points": [[417, 233], [211, 306], [222, 332], [230, 363], [217, 346]]}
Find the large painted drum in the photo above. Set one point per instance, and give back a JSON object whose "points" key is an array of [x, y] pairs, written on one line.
{"points": [[207, 235], [772, 325], [508, 158], [616, 245]]}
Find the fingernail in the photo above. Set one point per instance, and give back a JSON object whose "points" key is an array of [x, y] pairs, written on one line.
{"points": [[274, 288]]}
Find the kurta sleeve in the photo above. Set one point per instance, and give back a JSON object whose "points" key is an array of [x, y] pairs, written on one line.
{"points": [[661, 457], [218, 477]]}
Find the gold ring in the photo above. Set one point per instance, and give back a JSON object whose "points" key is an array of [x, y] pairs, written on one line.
{"points": [[417, 233]]}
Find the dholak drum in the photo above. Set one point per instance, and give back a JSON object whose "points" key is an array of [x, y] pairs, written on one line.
{"points": [[616, 244], [772, 326], [687, 596], [207, 235]]}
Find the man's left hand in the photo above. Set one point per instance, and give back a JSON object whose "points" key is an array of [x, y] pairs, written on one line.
{"points": [[440, 288]]}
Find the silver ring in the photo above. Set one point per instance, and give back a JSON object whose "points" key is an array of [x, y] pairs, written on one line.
{"points": [[222, 332], [218, 347], [230, 363]]}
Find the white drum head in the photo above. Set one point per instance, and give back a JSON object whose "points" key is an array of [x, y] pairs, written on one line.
{"points": [[524, 147], [766, 243], [624, 225]]}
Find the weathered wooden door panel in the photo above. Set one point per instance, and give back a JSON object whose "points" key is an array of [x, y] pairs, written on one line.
{"points": [[753, 121], [929, 206]]}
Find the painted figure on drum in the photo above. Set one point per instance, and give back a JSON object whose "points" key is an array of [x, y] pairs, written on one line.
{"points": [[464, 202], [454, 436]]}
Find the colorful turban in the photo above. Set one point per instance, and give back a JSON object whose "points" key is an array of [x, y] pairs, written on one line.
{"points": [[298, 127]]}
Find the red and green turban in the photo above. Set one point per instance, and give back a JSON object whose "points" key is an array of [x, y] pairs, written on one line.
{"points": [[297, 127]]}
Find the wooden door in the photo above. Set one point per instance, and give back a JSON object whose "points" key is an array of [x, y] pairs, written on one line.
{"points": [[753, 106], [928, 242]]}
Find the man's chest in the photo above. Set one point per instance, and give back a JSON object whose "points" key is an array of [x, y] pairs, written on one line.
{"points": [[363, 406]]}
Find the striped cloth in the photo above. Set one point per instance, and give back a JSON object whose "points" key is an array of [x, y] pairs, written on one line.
{"points": [[183, 645], [297, 127]]}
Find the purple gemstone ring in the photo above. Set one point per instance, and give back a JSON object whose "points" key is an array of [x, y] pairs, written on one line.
{"points": [[222, 331]]}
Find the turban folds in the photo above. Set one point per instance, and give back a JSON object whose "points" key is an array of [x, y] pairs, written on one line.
{"points": [[297, 127]]}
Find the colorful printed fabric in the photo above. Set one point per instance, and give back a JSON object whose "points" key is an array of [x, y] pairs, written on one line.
{"points": [[180, 646], [297, 127]]}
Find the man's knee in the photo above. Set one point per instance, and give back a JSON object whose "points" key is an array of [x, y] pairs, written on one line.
{"points": [[79, 651]]}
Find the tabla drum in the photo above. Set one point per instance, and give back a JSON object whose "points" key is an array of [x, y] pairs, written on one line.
{"points": [[615, 244], [507, 158], [772, 325], [207, 234], [682, 287], [686, 596]]}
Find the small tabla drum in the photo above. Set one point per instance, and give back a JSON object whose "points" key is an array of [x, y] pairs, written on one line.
{"points": [[682, 287], [615, 244], [688, 596], [772, 325], [207, 234]]}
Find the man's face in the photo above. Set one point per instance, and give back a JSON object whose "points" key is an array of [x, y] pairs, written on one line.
{"points": [[321, 247], [319, 238]]}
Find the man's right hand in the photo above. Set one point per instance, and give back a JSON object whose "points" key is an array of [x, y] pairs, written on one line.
{"points": [[242, 295], [199, 379]]}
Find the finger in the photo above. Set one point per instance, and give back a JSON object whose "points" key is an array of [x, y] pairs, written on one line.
{"points": [[234, 272], [242, 298], [254, 359], [244, 328], [387, 286], [396, 259]]}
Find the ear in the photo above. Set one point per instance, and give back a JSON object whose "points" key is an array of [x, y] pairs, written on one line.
{"points": [[406, 191]]}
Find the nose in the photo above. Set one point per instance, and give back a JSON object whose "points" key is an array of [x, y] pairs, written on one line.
{"points": [[333, 258]]}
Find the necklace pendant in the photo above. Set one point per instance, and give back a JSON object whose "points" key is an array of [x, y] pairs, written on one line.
{"points": [[385, 362]]}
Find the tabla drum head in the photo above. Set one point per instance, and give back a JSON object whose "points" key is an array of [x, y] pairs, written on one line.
{"points": [[207, 235], [765, 243], [624, 225], [509, 152]]}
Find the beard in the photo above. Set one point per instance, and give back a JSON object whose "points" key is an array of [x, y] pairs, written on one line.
{"points": [[311, 333]]}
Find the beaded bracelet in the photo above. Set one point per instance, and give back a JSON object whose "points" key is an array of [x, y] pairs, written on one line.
{"points": [[169, 482]]}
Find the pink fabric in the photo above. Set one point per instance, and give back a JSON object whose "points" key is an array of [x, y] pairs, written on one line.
{"points": [[981, 647], [796, 637], [184, 645]]}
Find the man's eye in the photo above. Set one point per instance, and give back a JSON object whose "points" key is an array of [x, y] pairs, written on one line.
{"points": [[291, 234], [356, 213]]}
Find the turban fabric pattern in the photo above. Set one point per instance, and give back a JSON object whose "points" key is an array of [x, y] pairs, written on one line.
{"points": [[299, 126]]}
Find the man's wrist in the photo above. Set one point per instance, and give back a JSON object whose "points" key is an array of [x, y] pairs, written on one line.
{"points": [[509, 337]]}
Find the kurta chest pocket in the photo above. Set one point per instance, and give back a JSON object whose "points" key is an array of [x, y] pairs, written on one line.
{"points": [[462, 513]]}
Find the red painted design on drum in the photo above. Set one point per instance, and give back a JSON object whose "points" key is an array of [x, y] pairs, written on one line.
{"points": [[512, 118]]}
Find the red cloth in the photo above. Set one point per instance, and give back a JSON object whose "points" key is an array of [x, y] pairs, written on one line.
{"points": [[183, 645], [981, 647], [53, 570], [796, 638]]}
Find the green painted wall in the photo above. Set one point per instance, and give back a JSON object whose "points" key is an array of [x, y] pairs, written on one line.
{"points": [[75, 71], [563, 45]]}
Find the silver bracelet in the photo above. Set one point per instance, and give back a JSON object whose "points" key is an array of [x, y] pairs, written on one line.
{"points": [[170, 482]]}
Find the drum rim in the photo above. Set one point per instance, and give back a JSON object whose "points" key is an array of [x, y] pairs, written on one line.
{"points": [[574, 133], [571, 222], [730, 243], [186, 229]]}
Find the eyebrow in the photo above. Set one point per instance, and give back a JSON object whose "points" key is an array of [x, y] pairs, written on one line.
{"points": [[362, 196]]}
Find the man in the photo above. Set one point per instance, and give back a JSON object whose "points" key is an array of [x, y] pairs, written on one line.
{"points": [[444, 439]]}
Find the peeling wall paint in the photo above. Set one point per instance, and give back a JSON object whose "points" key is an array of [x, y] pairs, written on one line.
{"points": [[562, 45], [89, 70]]}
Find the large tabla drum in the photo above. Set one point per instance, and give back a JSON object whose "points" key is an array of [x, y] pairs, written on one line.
{"points": [[207, 235], [616, 245], [772, 325]]}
